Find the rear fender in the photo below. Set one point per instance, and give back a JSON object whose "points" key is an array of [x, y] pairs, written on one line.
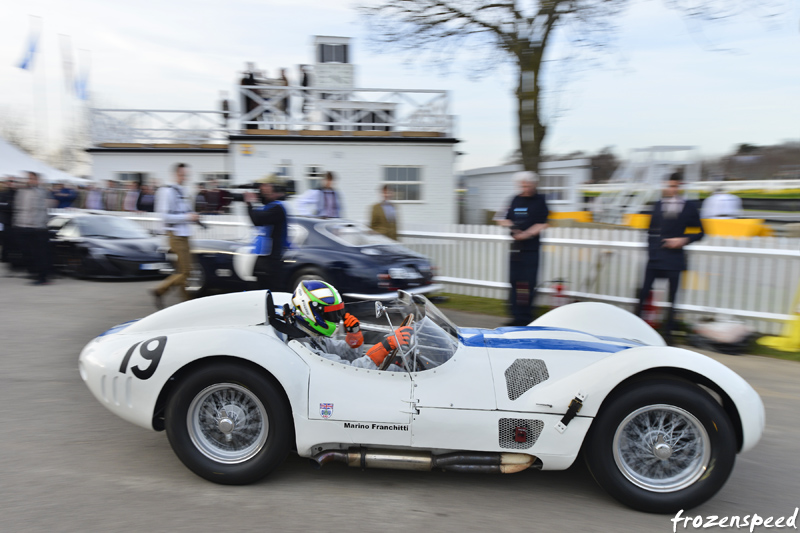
{"points": [[600, 379], [601, 320]]}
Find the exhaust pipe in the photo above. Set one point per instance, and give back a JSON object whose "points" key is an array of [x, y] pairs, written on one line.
{"points": [[485, 463]]}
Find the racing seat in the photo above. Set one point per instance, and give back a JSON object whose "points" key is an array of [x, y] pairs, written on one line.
{"points": [[280, 324]]}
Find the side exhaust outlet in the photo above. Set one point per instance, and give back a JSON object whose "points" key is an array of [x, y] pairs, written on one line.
{"points": [[488, 463]]}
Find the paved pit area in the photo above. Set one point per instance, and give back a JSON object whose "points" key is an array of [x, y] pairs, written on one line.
{"points": [[68, 464]]}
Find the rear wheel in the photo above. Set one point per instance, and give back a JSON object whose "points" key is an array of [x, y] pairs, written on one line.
{"points": [[661, 446], [305, 275], [229, 424]]}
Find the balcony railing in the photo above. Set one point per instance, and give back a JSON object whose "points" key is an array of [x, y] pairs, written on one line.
{"points": [[287, 110]]}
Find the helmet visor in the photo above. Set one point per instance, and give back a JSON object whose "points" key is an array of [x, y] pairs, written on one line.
{"points": [[333, 313]]}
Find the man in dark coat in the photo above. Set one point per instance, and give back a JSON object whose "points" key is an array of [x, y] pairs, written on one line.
{"points": [[527, 217], [667, 236]]}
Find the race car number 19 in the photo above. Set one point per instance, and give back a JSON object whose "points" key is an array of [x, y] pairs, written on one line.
{"points": [[151, 354]]}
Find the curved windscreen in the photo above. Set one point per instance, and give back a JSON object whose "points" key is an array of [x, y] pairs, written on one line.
{"points": [[435, 338]]}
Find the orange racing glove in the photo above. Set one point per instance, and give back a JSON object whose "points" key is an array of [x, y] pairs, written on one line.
{"points": [[354, 337], [379, 352]]}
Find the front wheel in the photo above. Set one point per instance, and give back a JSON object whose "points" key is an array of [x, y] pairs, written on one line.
{"points": [[196, 285], [661, 446], [229, 424]]}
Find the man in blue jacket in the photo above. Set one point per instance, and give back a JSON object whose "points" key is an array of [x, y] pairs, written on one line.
{"points": [[272, 240], [667, 236]]}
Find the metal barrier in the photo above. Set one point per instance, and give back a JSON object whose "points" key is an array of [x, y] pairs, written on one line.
{"points": [[753, 279]]}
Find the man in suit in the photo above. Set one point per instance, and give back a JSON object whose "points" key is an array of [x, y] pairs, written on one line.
{"points": [[384, 215], [667, 236]]}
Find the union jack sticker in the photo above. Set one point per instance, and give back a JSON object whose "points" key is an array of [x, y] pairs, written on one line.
{"points": [[326, 410]]}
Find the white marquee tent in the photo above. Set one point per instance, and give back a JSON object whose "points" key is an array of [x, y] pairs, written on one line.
{"points": [[14, 162]]}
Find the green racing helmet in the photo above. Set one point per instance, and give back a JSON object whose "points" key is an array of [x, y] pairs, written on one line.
{"points": [[318, 307]]}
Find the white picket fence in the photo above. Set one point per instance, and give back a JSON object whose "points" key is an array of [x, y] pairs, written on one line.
{"points": [[754, 279]]}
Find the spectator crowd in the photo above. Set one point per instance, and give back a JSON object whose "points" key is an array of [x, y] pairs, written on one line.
{"points": [[25, 201]]}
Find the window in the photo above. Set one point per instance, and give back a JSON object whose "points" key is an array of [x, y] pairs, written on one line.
{"points": [[333, 53], [284, 169], [314, 175], [405, 182], [554, 187], [126, 177], [223, 179]]}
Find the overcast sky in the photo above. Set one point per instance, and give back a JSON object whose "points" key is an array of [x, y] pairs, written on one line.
{"points": [[664, 84]]}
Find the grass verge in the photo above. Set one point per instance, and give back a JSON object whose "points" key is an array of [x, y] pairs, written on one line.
{"points": [[472, 304]]}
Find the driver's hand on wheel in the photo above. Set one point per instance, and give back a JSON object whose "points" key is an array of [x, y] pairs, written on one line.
{"points": [[379, 352], [354, 337]]}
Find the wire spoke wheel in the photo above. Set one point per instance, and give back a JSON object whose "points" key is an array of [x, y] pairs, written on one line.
{"points": [[661, 448], [661, 445], [227, 423]]}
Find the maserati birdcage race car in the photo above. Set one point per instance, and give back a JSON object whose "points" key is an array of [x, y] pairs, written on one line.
{"points": [[659, 427]]}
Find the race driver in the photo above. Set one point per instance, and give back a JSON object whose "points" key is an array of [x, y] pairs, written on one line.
{"points": [[318, 308]]}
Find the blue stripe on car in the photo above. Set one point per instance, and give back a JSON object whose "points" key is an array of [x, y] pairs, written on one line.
{"points": [[477, 337], [117, 328]]}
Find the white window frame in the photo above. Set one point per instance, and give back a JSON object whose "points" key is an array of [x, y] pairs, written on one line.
{"points": [[394, 184], [222, 178], [335, 50], [555, 194], [313, 178], [284, 169]]}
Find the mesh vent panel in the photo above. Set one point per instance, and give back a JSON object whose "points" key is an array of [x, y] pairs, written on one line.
{"points": [[523, 375], [506, 428]]}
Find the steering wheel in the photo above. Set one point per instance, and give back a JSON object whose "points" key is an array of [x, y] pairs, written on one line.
{"points": [[407, 321]]}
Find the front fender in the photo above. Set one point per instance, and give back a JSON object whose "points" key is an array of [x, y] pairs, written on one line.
{"points": [[117, 368]]}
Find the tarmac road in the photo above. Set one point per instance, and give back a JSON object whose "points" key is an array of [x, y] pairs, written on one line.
{"points": [[68, 464]]}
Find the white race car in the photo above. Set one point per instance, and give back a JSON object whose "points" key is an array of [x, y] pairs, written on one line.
{"points": [[659, 427]]}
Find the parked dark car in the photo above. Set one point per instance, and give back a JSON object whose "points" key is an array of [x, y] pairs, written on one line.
{"points": [[360, 263], [102, 246]]}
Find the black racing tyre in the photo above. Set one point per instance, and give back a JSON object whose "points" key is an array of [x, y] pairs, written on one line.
{"points": [[661, 446], [229, 424], [196, 284], [74, 264], [305, 275]]}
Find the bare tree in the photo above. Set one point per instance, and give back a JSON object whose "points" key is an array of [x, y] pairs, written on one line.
{"points": [[520, 31]]}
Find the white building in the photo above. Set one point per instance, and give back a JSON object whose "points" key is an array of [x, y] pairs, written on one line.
{"points": [[491, 189], [367, 137]]}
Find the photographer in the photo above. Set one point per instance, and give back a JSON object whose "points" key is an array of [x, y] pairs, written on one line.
{"points": [[527, 218], [272, 240]]}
